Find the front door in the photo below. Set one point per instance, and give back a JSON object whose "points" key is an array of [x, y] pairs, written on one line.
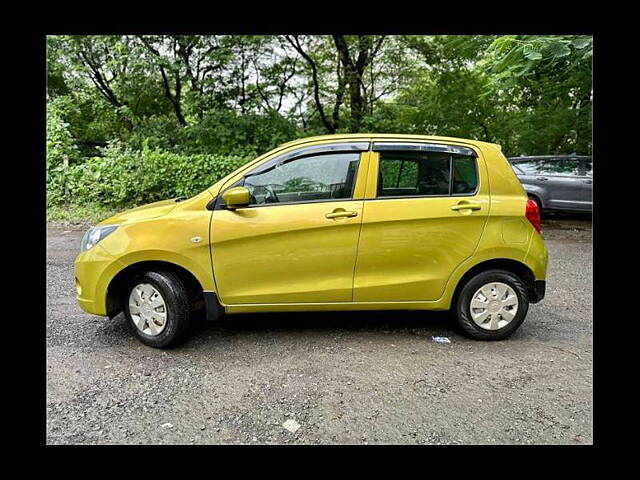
{"points": [[425, 211], [297, 241]]}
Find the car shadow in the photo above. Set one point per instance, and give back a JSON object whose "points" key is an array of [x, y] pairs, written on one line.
{"points": [[347, 321], [324, 324], [421, 323]]}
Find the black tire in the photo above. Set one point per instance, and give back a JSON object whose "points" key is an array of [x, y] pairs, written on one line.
{"points": [[462, 305], [178, 308]]}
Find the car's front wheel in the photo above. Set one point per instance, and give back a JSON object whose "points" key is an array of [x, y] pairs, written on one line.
{"points": [[157, 307], [491, 305]]}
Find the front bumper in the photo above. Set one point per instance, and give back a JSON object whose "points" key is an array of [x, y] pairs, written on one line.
{"points": [[93, 270]]}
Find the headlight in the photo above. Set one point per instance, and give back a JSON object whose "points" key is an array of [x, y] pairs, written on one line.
{"points": [[94, 235]]}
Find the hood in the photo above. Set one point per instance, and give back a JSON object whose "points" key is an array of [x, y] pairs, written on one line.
{"points": [[150, 210]]}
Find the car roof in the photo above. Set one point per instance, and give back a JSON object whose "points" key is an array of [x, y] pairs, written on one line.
{"points": [[390, 136]]}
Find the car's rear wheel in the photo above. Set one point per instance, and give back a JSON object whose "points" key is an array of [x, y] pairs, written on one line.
{"points": [[491, 305], [157, 307]]}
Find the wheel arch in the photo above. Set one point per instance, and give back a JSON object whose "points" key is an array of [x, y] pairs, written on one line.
{"points": [[116, 290], [514, 266]]}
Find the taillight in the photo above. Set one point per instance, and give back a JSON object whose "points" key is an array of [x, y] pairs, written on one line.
{"points": [[533, 214]]}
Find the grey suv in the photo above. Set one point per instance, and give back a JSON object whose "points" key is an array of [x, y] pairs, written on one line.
{"points": [[557, 182]]}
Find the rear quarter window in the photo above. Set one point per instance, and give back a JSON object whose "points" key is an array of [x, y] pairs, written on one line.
{"points": [[465, 175]]}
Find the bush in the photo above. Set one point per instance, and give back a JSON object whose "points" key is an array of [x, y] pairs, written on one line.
{"points": [[60, 142], [124, 178], [219, 131], [229, 132]]}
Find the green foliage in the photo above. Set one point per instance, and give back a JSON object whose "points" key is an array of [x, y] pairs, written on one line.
{"points": [[73, 213], [60, 141], [513, 56], [225, 132], [525, 93], [229, 132], [123, 177], [142, 118], [61, 148]]}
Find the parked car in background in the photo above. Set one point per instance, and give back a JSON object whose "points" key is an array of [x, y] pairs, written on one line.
{"points": [[557, 182]]}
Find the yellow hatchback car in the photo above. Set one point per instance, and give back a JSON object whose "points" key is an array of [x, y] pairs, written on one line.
{"points": [[337, 222]]}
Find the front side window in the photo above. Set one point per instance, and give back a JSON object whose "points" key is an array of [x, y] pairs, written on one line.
{"points": [[315, 177], [425, 174]]}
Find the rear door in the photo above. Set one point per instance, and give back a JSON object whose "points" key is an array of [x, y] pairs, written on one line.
{"points": [[425, 209]]}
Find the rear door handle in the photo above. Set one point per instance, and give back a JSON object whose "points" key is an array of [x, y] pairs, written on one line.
{"points": [[588, 182], [466, 206], [340, 214], [542, 179]]}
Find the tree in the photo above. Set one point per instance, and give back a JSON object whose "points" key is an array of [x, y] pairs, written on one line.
{"points": [[203, 93], [550, 78], [354, 64], [170, 68], [275, 72], [332, 124]]}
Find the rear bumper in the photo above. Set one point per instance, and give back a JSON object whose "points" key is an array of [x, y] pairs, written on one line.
{"points": [[539, 289]]}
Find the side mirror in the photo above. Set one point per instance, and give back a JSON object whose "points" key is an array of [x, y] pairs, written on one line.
{"points": [[236, 197]]}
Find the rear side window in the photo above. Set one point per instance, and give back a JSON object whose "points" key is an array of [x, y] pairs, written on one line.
{"points": [[411, 173]]}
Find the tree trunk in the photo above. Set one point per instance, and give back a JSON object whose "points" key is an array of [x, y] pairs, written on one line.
{"points": [[174, 99], [354, 73], [331, 128]]}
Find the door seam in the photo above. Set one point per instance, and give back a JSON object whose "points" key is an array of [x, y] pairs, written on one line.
{"points": [[355, 263]]}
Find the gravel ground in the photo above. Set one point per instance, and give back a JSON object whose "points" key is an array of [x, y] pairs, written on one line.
{"points": [[335, 378]]}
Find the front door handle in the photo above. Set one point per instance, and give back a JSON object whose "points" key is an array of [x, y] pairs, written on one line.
{"points": [[588, 182], [542, 179], [466, 206], [341, 213]]}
